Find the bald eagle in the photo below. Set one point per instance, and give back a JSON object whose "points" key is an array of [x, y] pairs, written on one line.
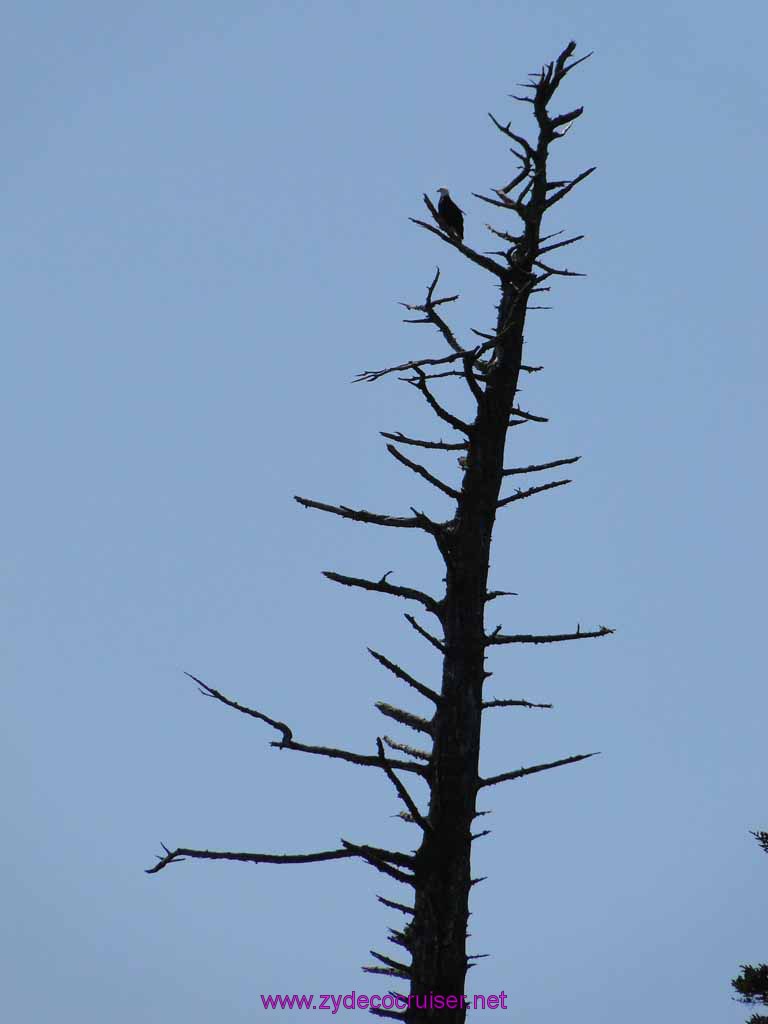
{"points": [[449, 216]]}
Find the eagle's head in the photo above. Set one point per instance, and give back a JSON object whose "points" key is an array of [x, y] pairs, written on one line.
{"points": [[443, 191]]}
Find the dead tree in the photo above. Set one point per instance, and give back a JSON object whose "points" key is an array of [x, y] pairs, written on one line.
{"points": [[437, 873]]}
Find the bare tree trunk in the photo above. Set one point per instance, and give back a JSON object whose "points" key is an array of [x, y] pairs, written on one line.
{"points": [[439, 872], [443, 873]]}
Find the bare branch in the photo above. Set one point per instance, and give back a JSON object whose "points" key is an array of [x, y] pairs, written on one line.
{"points": [[496, 340], [351, 757], [403, 860], [433, 376], [383, 860], [561, 119], [506, 204], [519, 139], [541, 466], [421, 522], [443, 445], [288, 743], [471, 380], [422, 472], [427, 636], [474, 257], [506, 236], [395, 906], [209, 691], [448, 417], [559, 245], [395, 968], [574, 63], [420, 755], [550, 78], [431, 316], [567, 188], [183, 853], [415, 722], [519, 495], [523, 191], [513, 704], [402, 792], [493, 594], [431, 301], [547, 638], [383, 587], [372, 375], [521, 772], [523, 173], [400, 938], [425, 691], [529, 416], [555, 271]]}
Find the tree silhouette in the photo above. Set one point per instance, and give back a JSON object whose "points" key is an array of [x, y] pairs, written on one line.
{"points": [[432, 944], [752, 984]]}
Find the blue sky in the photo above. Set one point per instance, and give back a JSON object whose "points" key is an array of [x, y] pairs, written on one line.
{"points": [[205, 236]]}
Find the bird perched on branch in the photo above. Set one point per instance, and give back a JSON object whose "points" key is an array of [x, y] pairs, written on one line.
{"points": [[450, 217]]}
